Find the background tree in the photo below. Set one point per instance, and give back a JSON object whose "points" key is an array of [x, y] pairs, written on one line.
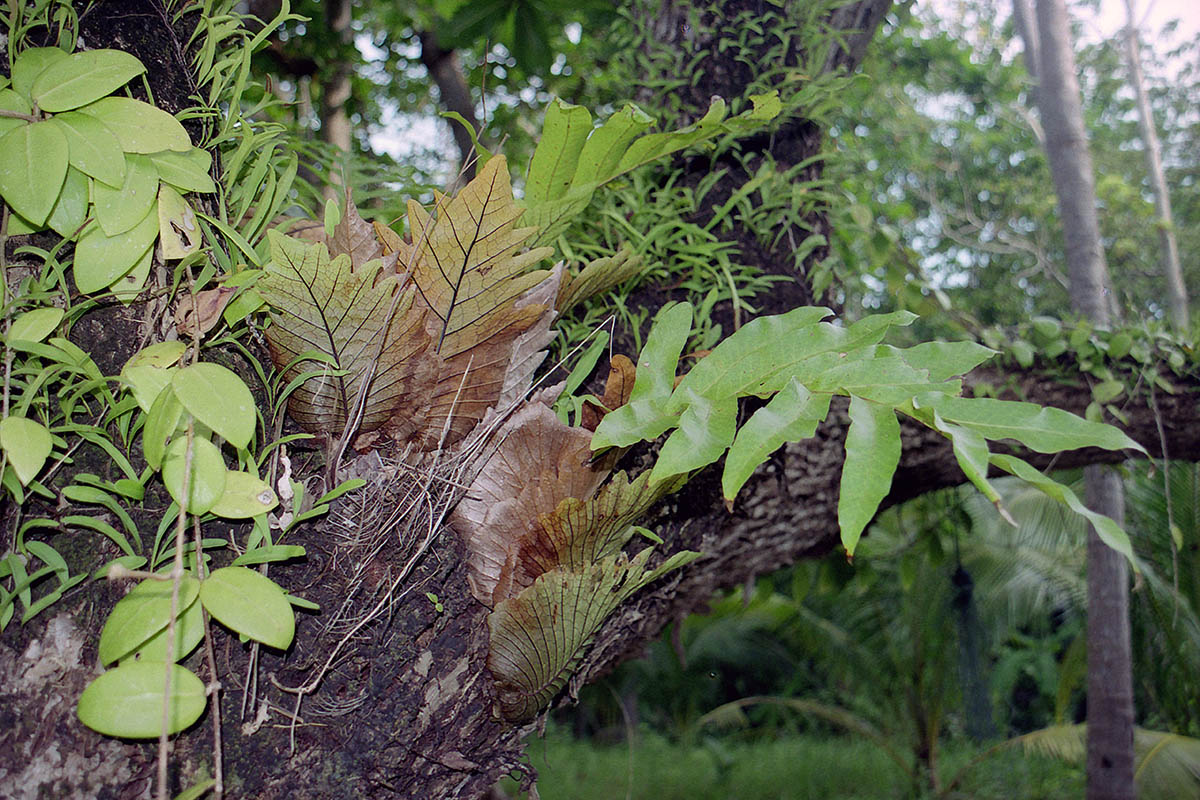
{"points": [[1110, 681]]}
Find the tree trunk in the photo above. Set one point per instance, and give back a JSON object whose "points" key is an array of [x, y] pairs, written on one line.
{"points": [[1110, 757], [446, 71], [1177, 301], [335, 93]]}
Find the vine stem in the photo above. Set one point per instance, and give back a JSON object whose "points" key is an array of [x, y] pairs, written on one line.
{"points": [[214, 685], [176, 582]]}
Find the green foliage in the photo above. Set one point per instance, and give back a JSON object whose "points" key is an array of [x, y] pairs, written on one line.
{"points": [[822, 359], [572, 159], [83, 142], [945, 178], [72, 150]]}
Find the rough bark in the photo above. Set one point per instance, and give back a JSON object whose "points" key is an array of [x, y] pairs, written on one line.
{"points": [[405, 708], [1110, 756], [1177, 300]]}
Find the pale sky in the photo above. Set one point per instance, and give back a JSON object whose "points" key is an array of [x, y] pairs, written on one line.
{"points": [[1151, 16]]}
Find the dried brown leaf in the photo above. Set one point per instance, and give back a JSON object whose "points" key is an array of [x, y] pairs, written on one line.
{"points": [[363, 320], [202, 311], [617, 389], [581, 532], [469, 263], [537, 463]]}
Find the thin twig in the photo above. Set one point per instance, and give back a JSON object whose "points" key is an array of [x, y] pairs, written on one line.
{"points": [[176, 582], [214, 684]]}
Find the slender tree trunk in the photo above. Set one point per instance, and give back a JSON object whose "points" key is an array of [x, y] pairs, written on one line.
{"points": [[1169, 251], [1110, 684], [446, 71], [335, 92]]}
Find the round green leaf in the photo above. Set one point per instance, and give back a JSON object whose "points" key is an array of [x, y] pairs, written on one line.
{"points": [[128, 701], [162, 421], [92, 146], [19, 226], [146, 381], [186, 171], [71, 209], [27, 444], [33, 164], [100, 261], [207, 482], [245, 496], [83, 77], [118, 210], [163, 354], [33, 326], [220, 399], [141, 614], [251, 604], [1107, 391], [149, 370], [129, 286], [30, 64], [140, 127], [11, 101], [189, 632]]}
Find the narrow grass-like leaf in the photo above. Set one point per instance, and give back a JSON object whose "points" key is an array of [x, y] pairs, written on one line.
{"points": [[269, 554], [102, 527], [872, 454], [94, 495]]}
